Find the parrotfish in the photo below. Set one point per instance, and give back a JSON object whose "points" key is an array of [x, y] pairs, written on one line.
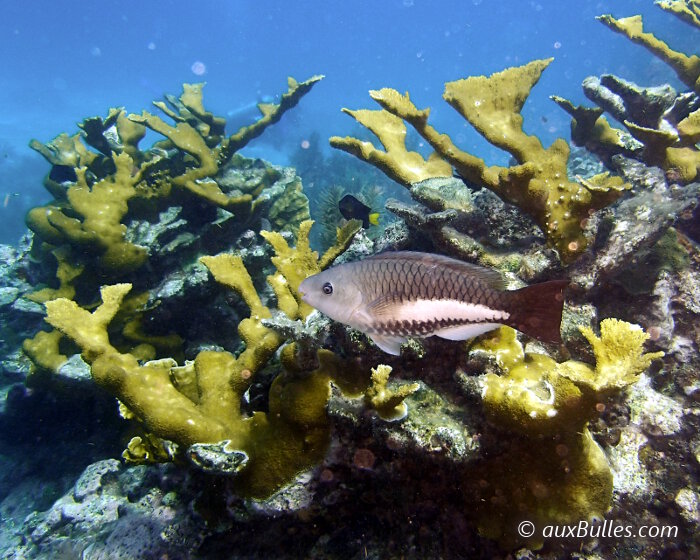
{"points": [[353, 209], [396, 295]]}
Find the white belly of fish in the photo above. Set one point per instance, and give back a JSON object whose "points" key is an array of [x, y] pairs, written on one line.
{"points": [[435, 310], [472, 320]]}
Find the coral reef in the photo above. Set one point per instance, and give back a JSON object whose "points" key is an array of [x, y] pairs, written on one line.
{"points": [[97, 194], [662, 125], [563, 476], [199, 402], [118, 208], [259, 428], [472, 226], [142, 507], [625, 233], [538, 184], [403, 475]]}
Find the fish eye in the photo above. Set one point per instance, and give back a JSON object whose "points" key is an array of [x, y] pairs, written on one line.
{"points": [[327, 288]]}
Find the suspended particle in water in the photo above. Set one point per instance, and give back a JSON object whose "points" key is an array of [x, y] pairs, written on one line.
{"points": [[199, 68], [557, 44], [305, 144]]}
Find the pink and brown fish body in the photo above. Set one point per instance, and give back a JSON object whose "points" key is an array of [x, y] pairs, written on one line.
{"points": [[396, 295]]}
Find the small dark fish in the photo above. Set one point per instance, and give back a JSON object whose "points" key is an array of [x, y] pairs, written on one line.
{"points": [[394, 295], [352, 209]]}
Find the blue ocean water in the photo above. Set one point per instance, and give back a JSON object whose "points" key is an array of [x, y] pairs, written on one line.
{"points": [[65, 61]]}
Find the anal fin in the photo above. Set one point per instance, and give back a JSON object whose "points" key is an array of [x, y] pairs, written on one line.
{"points": [[464, 332]]}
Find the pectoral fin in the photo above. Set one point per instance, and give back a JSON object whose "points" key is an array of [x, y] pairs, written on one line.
{"points": [[384, 306], [390, 344]]}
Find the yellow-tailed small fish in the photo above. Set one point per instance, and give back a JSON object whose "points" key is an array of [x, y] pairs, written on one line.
{"points": [[353, 209], [396, 295]]}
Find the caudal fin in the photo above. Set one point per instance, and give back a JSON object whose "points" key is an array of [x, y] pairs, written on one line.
{"points": [[536, 310]]}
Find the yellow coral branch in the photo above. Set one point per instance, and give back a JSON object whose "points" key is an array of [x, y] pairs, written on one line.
{"points": [[686, 67], [230, 271], [619, 353], [396, 161], [43, 350], [687, 10], [271, 113], [344, 236], [388, 402], [563, 477], [88, 330]]}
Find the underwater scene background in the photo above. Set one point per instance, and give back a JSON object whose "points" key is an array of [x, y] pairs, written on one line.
{"points": [[165, 391]]}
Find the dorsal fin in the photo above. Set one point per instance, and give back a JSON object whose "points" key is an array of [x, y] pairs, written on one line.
{"points": [[491, 278]]}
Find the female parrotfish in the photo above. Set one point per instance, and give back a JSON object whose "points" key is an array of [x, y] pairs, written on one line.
{"points": [[394, 295]]}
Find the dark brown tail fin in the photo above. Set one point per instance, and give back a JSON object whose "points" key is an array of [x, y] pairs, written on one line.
{"points": [[536, 310]]}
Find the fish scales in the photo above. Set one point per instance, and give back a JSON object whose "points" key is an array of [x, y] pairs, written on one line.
{"points": [[414, 280], [395, 295]]}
